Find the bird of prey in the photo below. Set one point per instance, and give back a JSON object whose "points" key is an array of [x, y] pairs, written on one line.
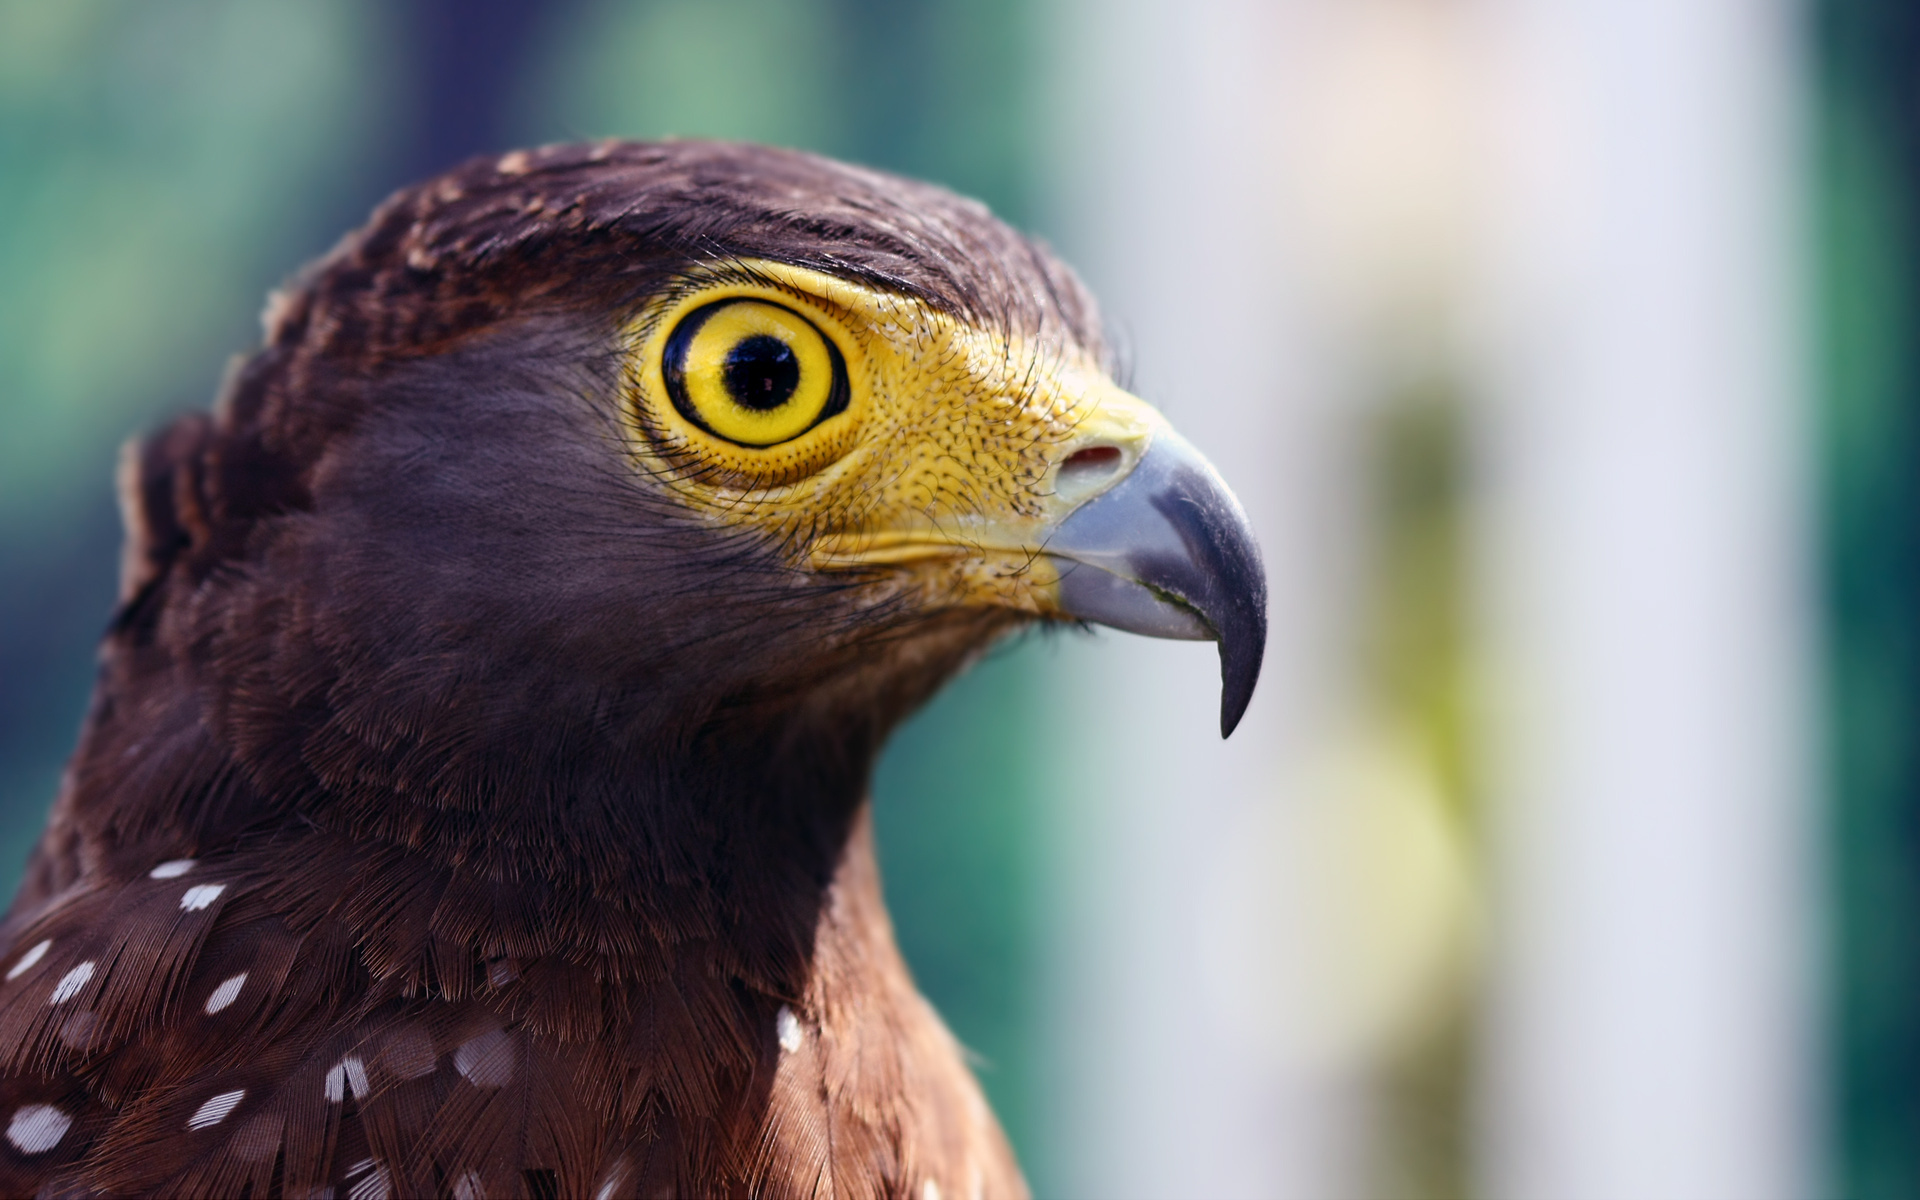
{"points": [[473, 798]]}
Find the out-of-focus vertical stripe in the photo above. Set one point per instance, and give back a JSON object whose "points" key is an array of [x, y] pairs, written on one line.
{"points": [[1173, 1011], [1868, 222], [1653, 1024]]}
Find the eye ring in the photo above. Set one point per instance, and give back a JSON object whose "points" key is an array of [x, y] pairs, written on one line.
{"points": [[752, 372]]}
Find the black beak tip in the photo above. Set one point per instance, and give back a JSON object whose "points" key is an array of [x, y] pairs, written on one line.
{"points": [[1242, 651], [1221, 577]]}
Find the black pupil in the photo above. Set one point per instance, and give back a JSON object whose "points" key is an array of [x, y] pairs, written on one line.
{"points": [[761, 372]]}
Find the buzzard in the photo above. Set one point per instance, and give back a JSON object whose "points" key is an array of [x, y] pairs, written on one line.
{"points": [[473, 797]]}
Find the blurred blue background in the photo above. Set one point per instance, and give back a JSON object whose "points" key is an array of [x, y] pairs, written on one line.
{"points": [[1567, 356]]}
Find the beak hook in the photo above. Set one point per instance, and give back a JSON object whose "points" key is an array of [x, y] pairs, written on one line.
{"points": [[1168, 552]]}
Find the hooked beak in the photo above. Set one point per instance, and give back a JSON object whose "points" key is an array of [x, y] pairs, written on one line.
{"points": [[1168, 552]]}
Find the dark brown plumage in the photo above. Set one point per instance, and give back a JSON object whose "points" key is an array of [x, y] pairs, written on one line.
{"points": [[458, 814]]}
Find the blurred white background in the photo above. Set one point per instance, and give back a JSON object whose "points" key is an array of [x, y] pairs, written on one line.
{"points": [[1323, 959]]}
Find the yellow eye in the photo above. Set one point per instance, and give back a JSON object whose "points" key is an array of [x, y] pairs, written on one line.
{"points": [[754, 373]]}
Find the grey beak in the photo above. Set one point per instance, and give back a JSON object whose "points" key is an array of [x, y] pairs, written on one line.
{"points": [[1168, 552]]}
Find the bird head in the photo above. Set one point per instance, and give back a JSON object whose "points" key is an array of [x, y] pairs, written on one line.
{"points": [[869, 435], [590, 448]]}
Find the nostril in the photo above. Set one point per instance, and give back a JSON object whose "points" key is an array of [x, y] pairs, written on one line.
{"points": [[1090, 463], [1086, 471]]}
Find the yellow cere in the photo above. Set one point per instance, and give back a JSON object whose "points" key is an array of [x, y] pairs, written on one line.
{"points": [[864, 430]]}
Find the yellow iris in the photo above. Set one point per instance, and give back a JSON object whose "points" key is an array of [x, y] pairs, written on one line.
{"points": [[754, 373]]}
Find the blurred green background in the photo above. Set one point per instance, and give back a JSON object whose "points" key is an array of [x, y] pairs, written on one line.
{"points": [[1867, 210]]}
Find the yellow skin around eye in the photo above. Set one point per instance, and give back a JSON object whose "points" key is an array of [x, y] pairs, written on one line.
{"points": [[941, 473], [706, 365]]}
